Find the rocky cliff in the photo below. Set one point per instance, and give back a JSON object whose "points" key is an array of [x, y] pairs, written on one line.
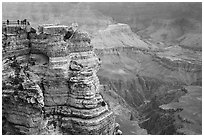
{"points": [[50, 84], [142, 73]]}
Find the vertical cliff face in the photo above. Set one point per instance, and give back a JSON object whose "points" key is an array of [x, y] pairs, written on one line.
{"points": [[90, 113], [22, 97], [50, 84]]}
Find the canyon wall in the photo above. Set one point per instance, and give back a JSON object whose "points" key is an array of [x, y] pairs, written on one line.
{"points": [[50, 84], [140, 74]]}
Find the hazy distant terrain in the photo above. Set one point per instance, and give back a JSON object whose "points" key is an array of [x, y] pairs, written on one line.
{"points": [[137, 15], [167, 22], [151, 57]]}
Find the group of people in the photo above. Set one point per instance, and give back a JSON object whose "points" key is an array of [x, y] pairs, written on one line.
{"points": [[22, 22]]}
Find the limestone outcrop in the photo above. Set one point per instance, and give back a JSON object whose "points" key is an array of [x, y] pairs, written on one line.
{"points": [[50, 84]]}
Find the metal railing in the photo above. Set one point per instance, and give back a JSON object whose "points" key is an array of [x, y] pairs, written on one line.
{"points": [[15, 23], [11, 26]]}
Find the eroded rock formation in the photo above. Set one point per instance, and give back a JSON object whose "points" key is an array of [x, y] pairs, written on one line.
{"points": [[50, 84]]}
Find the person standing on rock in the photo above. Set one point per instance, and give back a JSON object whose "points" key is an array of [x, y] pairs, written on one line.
{"points": [[7, 22]]}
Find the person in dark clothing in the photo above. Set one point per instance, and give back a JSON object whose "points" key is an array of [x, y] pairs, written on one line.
{"points": [[7, 22], [18, 22]]}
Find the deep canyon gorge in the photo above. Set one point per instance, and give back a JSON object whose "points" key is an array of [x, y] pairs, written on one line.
{"points": [[146, 63]]}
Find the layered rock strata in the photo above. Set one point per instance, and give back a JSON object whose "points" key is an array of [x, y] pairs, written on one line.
{"points": [[90, 113], [14, 41], [22, 97], [56, 95]]}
